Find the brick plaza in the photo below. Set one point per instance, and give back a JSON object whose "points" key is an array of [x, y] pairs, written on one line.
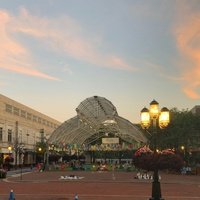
{"points": [[97, 186]]}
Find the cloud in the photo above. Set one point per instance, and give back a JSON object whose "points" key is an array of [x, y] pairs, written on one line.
{"points": [[13, 55], [187, 35], [64, 35], [117, 62]]}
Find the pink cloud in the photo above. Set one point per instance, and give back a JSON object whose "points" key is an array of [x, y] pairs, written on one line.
{"points": [[13, 55], [27, 71], [190, 91], [188, 43], [65, 35], [62, 35], [117, 62]]}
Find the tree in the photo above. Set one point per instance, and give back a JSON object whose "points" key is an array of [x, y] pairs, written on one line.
{"points": [[41, 148], [183, 130]]}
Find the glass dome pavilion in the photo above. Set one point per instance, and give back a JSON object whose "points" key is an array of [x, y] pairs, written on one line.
{"points": [[96, 117]]}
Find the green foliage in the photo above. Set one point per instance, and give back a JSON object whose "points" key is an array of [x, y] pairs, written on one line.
{"points": [[42, 146], [3, 173], [1, 159], [184, 129]]}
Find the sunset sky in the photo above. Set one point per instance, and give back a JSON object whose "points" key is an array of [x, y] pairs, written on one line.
{"points": [[56, 53]]}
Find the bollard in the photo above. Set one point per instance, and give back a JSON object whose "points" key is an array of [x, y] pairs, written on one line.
{"points": [[76, 197], [11, 195]]}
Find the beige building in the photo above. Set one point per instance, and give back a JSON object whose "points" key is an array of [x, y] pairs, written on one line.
{"points": [[21, 128]]}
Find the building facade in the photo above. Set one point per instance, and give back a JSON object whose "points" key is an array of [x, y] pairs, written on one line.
{"points": [[21, 127]]}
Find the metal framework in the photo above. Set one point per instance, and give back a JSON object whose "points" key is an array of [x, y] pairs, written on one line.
{"points": [[96, 116]]}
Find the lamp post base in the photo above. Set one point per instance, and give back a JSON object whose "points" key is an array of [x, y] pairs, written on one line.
{"points": [[156, 189]]}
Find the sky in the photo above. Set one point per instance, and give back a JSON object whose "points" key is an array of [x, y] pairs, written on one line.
{"points": [[56, 53]]}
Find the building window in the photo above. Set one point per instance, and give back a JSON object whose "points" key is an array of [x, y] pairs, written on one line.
{"points": [[34, 118], [39, 120], [29, 116], [44, 121], [16, 111], [8, 108], [23, 113], [1, 133], [9, 135]]}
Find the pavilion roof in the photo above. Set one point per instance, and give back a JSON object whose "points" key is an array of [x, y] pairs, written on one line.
{"points": [[96, 116]]}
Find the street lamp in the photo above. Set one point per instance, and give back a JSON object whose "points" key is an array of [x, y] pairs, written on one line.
{"points": [[155, 117], [182, 148], [9, 149]]}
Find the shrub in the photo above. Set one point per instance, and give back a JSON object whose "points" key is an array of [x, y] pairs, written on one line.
{"points": [[3, 173], [9, 159], [145, 158]]}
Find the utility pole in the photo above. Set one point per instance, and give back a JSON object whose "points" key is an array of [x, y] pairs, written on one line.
{"points": [[16, 142]]}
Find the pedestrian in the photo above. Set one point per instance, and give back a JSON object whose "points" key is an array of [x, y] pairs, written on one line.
{"points": [[76, 197], [11, 195]]}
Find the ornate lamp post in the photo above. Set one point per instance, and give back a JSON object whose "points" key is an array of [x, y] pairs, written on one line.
{"points": [[155, 118]]}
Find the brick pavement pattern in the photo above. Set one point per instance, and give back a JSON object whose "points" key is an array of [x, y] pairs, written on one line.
{"points": [[97, 186]]}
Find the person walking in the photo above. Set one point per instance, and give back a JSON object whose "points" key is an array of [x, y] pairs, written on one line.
{"points": [[76, 197]]}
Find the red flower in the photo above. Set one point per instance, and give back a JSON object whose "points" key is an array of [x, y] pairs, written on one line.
{"points": [[168, 151], [145, 158], [144, 149]]}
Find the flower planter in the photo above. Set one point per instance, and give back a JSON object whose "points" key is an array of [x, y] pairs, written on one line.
{"points": [[145, 158]]}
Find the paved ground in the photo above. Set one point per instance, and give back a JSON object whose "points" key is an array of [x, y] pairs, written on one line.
{"points": [[97, 186]]}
